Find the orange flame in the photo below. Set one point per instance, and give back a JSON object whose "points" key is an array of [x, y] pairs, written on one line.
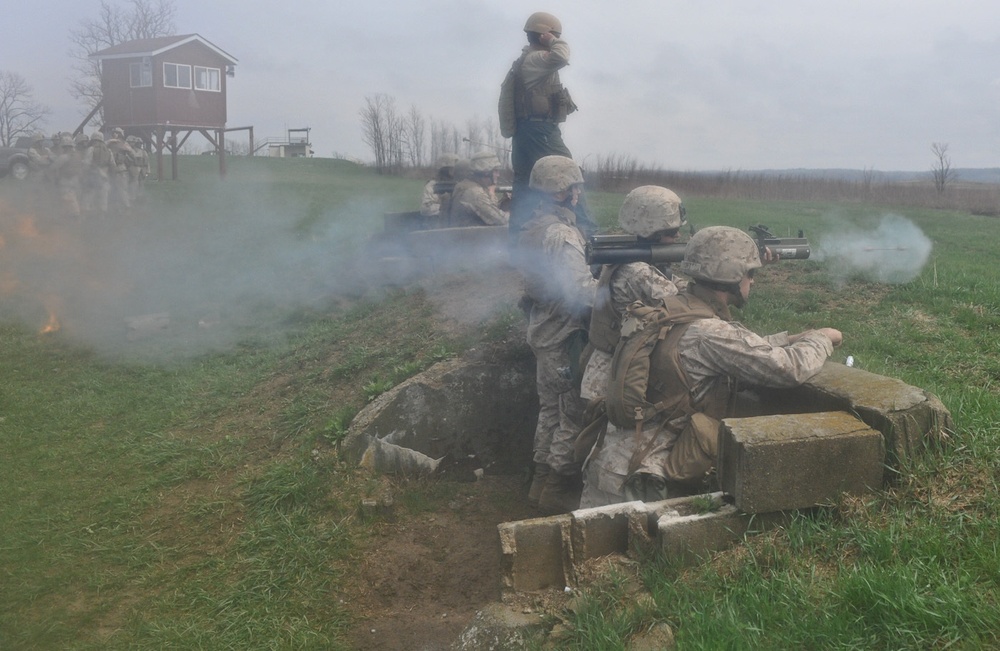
{"points": [[52, 325]]}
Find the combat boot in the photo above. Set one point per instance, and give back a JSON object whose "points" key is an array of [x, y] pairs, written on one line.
{"points": [[538, 479], [561, 493]]}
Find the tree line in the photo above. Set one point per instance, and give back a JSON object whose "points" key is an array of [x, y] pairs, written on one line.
{"points": [[400, 139]]}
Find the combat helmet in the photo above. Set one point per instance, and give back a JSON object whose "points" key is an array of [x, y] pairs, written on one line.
{"points": [[447, 160], [650, 209], [97, 135], [483, 162], [541, 22], [553, 174], [81, 139], [720, 254]]}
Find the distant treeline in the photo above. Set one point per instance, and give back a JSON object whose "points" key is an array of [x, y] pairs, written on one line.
{"points": [[974, 191]]}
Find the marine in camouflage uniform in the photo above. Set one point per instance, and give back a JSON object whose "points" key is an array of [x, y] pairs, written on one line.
{"points": [[716, 357], [122, 156], [138, 168], [474, 202], [68, 168], [541, 103], [39, 156], [435, 203], [653, 214], [561, 288], [97, 184]]}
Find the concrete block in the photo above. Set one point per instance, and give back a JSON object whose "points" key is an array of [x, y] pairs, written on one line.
{"points": [[908, 417], [686, 539], [792, 461], [604, 530], [537, 553]]}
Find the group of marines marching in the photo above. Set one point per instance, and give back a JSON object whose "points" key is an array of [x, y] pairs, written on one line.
{"points": [[91, 176]]}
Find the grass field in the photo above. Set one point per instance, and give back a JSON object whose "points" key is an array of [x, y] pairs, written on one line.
{"points": [[165, 492]]}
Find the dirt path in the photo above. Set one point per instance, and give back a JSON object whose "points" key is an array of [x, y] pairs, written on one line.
{"points": [[419, 586], [428, 574]]}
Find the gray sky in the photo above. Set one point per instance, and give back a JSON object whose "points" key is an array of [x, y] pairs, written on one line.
{"points": [[729, 84]]}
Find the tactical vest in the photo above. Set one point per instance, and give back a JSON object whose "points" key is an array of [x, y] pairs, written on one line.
{"points": [[547, 100], [647, 380], [101, 158]]}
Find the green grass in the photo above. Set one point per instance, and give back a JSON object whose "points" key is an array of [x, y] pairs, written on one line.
{"points": [[160, 501]]}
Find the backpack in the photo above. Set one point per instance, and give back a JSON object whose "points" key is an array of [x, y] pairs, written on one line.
{"points": [[646, 379], [507, 108]]}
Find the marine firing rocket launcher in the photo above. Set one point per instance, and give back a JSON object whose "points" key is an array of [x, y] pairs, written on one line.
{"points": [[620, 249]]}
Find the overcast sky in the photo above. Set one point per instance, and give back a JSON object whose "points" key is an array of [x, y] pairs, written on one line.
{"points": [[727, 84]]}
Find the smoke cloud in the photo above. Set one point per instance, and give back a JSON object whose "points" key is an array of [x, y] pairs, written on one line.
{"points": [[214, 270], [894, 252]]}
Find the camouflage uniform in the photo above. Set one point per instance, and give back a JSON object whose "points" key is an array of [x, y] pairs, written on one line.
{"points": [[430, 201], [437, 204], [68, 168], [472, 205], [39, 156], [618, 287], [561, 287], [138, 168], [97, 186], [122, 158]]}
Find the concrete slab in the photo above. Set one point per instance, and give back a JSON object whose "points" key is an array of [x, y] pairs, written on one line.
{"points": [[792, 461], [686, 539], [908, 417]]}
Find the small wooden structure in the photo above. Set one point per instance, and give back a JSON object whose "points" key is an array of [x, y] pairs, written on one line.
{"points": [[295, 145], [166, 88]]}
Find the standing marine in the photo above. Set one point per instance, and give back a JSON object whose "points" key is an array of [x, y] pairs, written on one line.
{"points": [[533, 103], [560, 287], [138, 168]]}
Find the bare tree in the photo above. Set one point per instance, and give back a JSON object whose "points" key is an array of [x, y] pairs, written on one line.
{"points": [[941, 169], [383, 131], [138, 19], [20, 114], [373, 129], [415, 127], [436, 142]]}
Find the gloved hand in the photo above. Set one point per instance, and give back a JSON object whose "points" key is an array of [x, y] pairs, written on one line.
{"points": [[644, 487]]}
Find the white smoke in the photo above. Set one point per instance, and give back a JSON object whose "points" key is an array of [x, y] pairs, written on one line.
{"points": [[168, 286], [894, 251]]}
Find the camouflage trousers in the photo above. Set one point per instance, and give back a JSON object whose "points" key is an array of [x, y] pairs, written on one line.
{"points": [[682, 459], [560, 411]]}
